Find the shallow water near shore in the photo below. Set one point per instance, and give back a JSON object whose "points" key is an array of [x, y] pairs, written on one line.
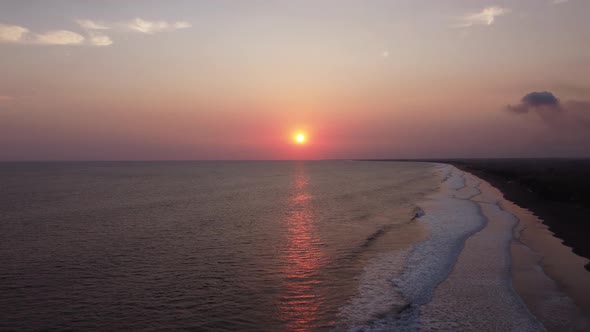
{"points": [[263, 246], [202, 245]]}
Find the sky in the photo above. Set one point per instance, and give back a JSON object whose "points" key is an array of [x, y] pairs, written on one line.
{"points": [[218, 79]]}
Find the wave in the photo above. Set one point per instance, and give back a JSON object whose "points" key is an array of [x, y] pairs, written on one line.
{"points": [[380, 232], [395, 286], [417, 212]]}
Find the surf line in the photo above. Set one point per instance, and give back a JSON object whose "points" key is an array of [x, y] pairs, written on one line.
{"points": [[449, 247]]}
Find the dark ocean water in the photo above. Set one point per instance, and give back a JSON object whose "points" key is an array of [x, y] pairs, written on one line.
{"points": [[198, 245]]}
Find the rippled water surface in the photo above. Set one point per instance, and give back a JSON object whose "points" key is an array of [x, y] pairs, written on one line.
{"points": [[198, 245]]}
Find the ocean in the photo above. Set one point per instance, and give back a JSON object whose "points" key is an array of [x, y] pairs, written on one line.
{"points": [[250, 246]]}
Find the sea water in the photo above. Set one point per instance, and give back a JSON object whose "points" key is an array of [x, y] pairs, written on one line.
{"points": [[249, 246], [202, 245]]}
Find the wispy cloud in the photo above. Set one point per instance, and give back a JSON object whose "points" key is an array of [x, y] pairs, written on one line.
{"points": [[60, 37], [136, 25], [22, 35], [486, 16], [12, 33], [92, 25], [151, 27], [6, 98], [93, 32], [557, 2], [99, 39]]}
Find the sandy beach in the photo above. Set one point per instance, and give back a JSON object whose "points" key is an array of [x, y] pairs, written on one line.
{"points": [[555, 190], [549, 278], [488, 264], [298, 166]]}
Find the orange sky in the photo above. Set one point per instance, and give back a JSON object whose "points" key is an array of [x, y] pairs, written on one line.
{"points": [[234, 80]]}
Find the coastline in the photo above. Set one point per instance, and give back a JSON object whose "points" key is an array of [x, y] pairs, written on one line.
{"points": [[543, 269], [553, 190], [476, 271], [487, 258], [547, 275], [479, 288]]}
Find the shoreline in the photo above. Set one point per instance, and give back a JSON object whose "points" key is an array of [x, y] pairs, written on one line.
{"points": [[555, 190], [565, 219], [479, 289], [486, 254], [549, 277]]}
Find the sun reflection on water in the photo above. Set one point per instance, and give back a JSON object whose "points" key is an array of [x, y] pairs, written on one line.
{"points": [[301, 298]]}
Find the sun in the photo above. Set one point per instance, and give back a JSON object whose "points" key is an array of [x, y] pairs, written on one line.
{"points": [[300, 138]]}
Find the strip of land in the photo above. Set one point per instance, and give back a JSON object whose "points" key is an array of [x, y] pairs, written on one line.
{"points": [[556, 190]]}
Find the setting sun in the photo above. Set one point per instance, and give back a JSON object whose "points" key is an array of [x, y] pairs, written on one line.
{"points": [[325, 165], [300, 138]]}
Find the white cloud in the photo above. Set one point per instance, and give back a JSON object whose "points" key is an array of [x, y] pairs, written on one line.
{"points": [[60, 37], [182, 25], [95, 38], [21, 35], [486, 16], [151, 27], [100, 39], [92, 34], [12, 33], [92, 25]]}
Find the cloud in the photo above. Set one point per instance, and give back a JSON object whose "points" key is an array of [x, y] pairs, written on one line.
{"points": [[557, 2], [12, 33], [534, 101], [486, 16], [93, 34], [6, 98], [95, 38], [22, 35], [151, 27], [92, 25], [60, 37], [571, 115], [99, 39]]}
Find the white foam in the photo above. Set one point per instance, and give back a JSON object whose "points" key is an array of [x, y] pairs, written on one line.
{"points": [[478, 294], [377, 296], [438, 283], [449, 221]]}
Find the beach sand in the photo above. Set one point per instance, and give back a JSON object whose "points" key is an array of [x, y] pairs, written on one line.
{"points": [[486, 265], [535, 249], [478, 294], [549, 278], [555, 190], [521, 257]]}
